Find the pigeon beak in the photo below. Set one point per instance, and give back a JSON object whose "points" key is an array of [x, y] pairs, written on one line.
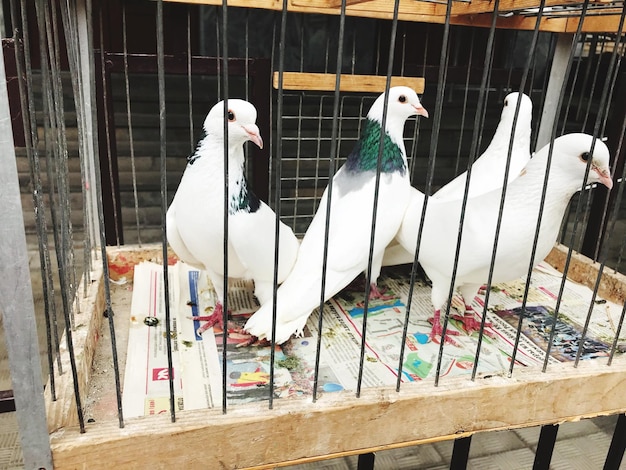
{"points": [[420, 111], [605, 176], [254, 135]]}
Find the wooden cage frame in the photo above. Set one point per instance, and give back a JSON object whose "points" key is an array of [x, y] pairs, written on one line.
{"points": [[297, 430]]}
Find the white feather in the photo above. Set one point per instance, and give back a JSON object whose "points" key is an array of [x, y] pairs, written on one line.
{"points": [[488, 170], [519, 220], [195, 219], [349, 231]]}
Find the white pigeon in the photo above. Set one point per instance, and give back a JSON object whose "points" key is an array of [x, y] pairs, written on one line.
{"points": [[488, 169], [350, 220], [437, 249], [195, 219]]}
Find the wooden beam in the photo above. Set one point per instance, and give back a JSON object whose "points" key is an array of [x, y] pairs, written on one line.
{"points": [[597, 24], [62, 412], [585, 271], [348, 83], [487, 6], [252, 436], [518, 22], [476, 13], [330, 3]]}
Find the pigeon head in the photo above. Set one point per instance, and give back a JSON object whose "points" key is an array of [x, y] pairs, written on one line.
{"points": [[241, 123], [571, 154], [403, 103], [525, 110]]}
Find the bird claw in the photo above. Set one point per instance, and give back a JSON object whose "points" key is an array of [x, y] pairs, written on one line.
{"points": [[471, 324], [378, 293], [437, 330]]}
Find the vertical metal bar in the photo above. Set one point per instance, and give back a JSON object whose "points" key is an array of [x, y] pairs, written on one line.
{"points": [[593, 236], [551, 138], [278, 176], [460, 453], [465, 93], [129, 120], [16, 302], [545, 447], [31, 140], [163, 171], [618, 445], [592, 49], [69, 16], [383, 124], [429, 178], [98, 183], [589, 95], [503, 195], [66, 289], [331, 170], [473, 152], [576, 76], [225, 95], [261, 96], [85, 50], [108, 147], [366, 461], [189, 82], [556, 82]]}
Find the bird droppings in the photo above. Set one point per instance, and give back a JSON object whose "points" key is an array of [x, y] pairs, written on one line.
{"points": [[290, 363], [187, 343], [371, 359], [191, 303], [151, 321]]}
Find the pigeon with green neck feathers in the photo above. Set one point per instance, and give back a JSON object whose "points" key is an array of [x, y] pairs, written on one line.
{"points": [[195, 219], [350, 227]]}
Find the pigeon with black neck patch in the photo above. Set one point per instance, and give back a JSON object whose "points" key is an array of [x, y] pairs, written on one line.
{"points": [[195, 219], [350, 220]]}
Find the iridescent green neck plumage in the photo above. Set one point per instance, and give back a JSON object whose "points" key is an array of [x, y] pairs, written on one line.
{"points": [[364, 156]]}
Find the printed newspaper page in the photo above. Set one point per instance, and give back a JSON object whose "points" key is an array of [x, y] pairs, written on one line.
{"points": [[197, 359]]}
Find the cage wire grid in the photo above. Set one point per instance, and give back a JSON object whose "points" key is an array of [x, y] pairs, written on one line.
{"points": [[311, 134]]}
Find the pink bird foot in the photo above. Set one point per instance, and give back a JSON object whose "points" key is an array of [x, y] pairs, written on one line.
{"points": [[216, 318], [437, 329], [470, 323], [379, 294]]}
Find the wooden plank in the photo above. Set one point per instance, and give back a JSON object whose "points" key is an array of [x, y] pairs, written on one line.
{"points": [[555, 25], [585, 271], [487, 6], [597, 24], [332, 3], [353, 83], [62, 412], [475, 13], [251, 436]]}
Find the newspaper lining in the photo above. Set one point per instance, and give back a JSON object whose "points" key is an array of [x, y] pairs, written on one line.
{"points": [[197, 360]]}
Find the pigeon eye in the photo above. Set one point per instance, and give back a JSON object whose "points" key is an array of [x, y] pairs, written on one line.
{"points": [[231, 115], [402, 99], [585, 156]]}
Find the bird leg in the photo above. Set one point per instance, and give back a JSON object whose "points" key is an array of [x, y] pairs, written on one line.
{"points": [[216, 318], [437, 329], [235, 331], [470, 323], [376, 293]]}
